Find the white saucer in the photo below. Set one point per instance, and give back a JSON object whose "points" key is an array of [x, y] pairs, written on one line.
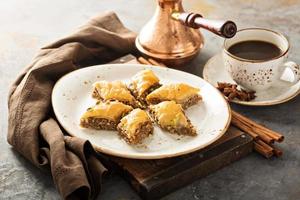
{"points": [[214, 72]]}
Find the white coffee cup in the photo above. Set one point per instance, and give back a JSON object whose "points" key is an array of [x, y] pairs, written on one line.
{"points": [[259, 74]]}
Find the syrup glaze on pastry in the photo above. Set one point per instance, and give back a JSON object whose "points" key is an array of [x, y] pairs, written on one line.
{"points": [[180, 93], [170, 116], [115, 90], [104, 115], [135, 126], [143, 83]]}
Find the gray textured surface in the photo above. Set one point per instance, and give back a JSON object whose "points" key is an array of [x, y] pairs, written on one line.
{"points": [[28, 25]]}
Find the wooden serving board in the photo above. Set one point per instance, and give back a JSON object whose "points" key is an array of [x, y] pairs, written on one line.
{"points": [[153, 179]]}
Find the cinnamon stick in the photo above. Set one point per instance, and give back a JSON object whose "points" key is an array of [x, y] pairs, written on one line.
{"points": [[245, 128], [150, 61], [265, 134], [277, 152], [265, 145], [143, 61], [260, 149], [156, 63], [256, 134], [276, 136]]}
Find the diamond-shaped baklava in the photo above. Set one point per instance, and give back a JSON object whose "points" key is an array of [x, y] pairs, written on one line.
{"points": [[115, 90], [170, 116], [104, 115], [143, 83], [180, 93], [135, 126]]}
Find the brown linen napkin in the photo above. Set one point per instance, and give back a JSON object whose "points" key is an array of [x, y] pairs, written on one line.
{"points": [[34, 133]]}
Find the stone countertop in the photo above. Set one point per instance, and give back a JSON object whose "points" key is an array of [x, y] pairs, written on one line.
{"points": [[28, 25]]}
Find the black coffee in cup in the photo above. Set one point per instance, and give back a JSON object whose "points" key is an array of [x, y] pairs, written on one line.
{"points": [[255, 50], [256, 59]]}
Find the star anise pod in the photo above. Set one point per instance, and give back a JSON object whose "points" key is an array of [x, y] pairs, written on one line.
{"points": [[231, 91]]}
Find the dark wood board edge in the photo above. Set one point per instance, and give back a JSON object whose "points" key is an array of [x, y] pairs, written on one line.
{"points": [[151, 189], [156, 167]]}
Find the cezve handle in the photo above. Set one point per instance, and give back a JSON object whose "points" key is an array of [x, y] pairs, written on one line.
{"points": [[226, 29]]}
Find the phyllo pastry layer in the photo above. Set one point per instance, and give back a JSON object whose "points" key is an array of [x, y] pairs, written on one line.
{"points": [[143, 83], [104, 115], [170, 116], [115, 90], [180, 93], [135, 126]]}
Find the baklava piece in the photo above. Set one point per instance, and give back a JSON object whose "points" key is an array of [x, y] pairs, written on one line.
{"points": [[104, 115], [115, 90], [135, 126], [143, 83], [180, 93], [170, 116]]}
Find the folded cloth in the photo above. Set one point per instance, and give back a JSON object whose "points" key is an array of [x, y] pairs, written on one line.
{"points": [[33, 131]]}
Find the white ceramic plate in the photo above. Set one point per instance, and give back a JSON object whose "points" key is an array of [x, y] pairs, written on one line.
{"points": [[214, 72], [71, 96]]}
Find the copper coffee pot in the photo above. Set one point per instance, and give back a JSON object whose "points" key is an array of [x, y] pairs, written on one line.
{"points": [[172, 36]]}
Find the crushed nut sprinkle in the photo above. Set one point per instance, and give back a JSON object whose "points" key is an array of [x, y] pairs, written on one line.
{"points": [[231, 92]]}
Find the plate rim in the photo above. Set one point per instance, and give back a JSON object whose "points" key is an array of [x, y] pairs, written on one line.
{"points": [[141, 156], [249, 103]]}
